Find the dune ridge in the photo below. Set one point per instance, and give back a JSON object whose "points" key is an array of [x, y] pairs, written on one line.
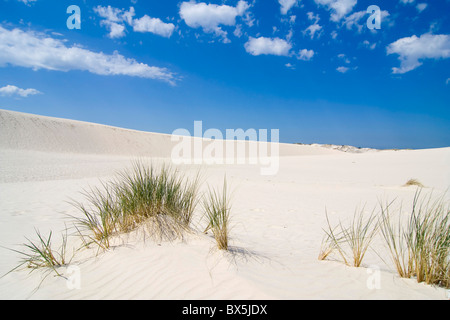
{"points": [[22, 131]]}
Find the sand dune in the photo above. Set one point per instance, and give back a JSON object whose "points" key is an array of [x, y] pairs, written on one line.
{"points": [[21, 131], [277, 220]]}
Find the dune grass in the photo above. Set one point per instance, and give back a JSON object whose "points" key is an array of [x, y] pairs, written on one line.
{"points": [[162, 199], [414, 182], [217, 211], [352, 242], [40, 254], [327, 247], [418, 244], [420, 247]]}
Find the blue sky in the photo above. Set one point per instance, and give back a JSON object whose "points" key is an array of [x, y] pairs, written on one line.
{"points": [[310, 68]]}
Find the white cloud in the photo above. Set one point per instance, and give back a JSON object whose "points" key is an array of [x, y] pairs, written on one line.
{"points": [[344, 58], [313, 29], [305, 54], [292, 19], [407, 1], [412, 50], [238, 31], [290, 66], [313, 17], [10, 90], [114, 19], [421, 6], [39, 51], [114, 14], [334, 34], [339, 8], [153, 25], [268, 46], [354, 20], [27, 2], [287, 5], [290, 35], [116, 30], [342, 69], [448, 81], [369, 45], [210, 17]]}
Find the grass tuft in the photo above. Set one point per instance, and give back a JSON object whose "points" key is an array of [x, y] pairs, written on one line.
{"points": [[420, 247], [414, 182], [161, 200], [40, 254], [418, 244], [352, 242], [217, 210]]}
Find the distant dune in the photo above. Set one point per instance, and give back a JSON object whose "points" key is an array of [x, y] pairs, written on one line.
{"points": [[39, 133], [343, 148]]}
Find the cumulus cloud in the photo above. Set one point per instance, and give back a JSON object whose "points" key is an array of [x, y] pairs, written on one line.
{"points": [[39, 51], [153, 25], [339, 8], [421, 6], [358, 20], [313, 29], [114, 14], [276, 47], [11, 90], [305, 54], [354, 20], [268, 46], [114, 19], [342, 69], [287, 5], [413, 50], [210, 17]]}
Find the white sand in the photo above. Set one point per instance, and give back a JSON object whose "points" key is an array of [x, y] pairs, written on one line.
{"points": [[277, 220]]}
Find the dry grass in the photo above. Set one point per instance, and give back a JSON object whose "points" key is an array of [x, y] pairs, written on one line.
{"points": [[419, 244], [414, 182], [352, 242], [217, 210], [420, 247]]}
